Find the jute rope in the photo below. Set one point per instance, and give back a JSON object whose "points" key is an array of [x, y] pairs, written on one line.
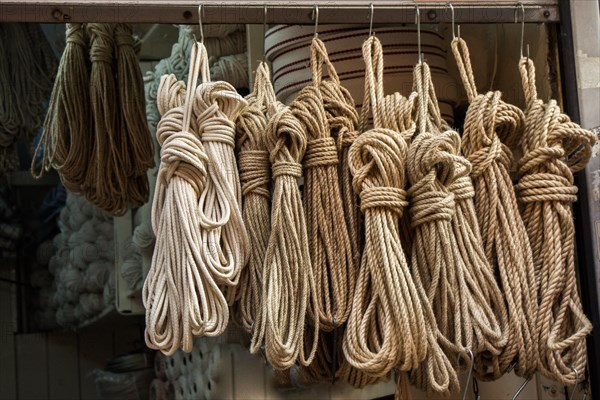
{"points": [[491, 128], [255, 176], [67, 131], [181, 297], [391, 323], [553, 149], [288, 282], [224, 238], [328, 239]]}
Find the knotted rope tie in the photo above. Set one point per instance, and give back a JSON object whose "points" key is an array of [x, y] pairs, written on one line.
{"points": [[255, 177], [224, 236], [386, 325], [491, 128], [288, 280], [553, 148]]}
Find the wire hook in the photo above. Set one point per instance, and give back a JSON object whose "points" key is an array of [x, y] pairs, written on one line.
{"points": [[521, 388], [418, 22], [520, 4], [472, 357], [452, 19], [371, 19], [576, 383], [315, 17], [200, 23]]}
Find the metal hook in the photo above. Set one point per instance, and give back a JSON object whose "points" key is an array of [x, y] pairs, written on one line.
{"points": [[371, 19], [418, 22], [520, 4], [315, 17], [472, 357], [452, 11], [265, 20], [576, 383], [200, 23], [521, 388]]}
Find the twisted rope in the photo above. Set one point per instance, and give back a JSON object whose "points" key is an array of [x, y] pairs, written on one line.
{"points": [[288, 282], [553, 149], [255, 176], [491, 128]]}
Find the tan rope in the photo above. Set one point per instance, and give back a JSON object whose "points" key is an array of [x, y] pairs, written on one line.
{"points": [[491, 128], [553, 149], [288, 281], [67, 132], [224, 238], [180, 295], [328, 239]]}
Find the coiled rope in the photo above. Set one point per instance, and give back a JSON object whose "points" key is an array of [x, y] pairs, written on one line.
{"points": [[181, 297], [553, 149], [255, 176], [391, 323], [289, 284], [491, 128]]}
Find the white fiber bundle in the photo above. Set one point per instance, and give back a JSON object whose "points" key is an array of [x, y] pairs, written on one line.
{"points": [[44, 252], [96, 276]]}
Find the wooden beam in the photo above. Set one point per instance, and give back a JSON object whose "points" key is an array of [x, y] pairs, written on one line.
{"points": [[298, 12]]}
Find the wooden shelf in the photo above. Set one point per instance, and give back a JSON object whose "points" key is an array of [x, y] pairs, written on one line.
{"points": [[298, 12]]}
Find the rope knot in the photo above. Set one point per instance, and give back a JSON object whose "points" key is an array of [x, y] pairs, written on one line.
{"points": [[539, 187], [462, 188], [320, 152], [286, 137], [488, 156], [255, 172], [124, 35], [285, 168], [428, 205], [75, 34], [390, 198], [102, 43]]}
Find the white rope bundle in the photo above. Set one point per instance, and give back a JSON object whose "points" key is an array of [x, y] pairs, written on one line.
{"points": [[232, 69]]}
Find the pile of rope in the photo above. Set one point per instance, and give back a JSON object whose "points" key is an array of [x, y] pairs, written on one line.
{"points": [[553, 149], [95, 133], [27, 67], [492, 127], [83, 263]]}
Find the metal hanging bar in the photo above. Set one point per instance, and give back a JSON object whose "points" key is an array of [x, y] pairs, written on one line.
{"points": [[297, 12]]}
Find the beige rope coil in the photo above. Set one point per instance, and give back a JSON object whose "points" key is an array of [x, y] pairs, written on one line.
{"points": [[181, 297], [255, 177], [387, 326], [67, 132], [223, 235], [288, 282], [329, 242], [491, 128], [553, 149]]}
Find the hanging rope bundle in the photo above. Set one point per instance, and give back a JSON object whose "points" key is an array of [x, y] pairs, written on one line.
{"points": [[67, 131], [255, 176], [223, 235], [390, 323], [288, 282], [491, 128], [553, 149], [137, 151], [329, 243], [181, 297]]}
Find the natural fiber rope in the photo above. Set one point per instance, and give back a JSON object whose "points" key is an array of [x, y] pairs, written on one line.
{"points": [[390, 321], [180, 294], [553, 149], [288, 282], [491, 128], [255, 176], [224, 238], [67, 132], [329, 242]]}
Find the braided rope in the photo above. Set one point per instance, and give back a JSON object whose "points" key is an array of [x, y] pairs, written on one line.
{"points": [[553, 148], [491, 128]]}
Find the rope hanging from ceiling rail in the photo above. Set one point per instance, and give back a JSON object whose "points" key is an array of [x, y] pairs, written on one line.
{"points": [[255, 176], [491, 128], [288, 283], [391, 323], [553, 149]]}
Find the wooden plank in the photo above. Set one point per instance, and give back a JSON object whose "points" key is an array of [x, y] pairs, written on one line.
{"points": [[63, 366], [95, 350], [32, 366], [220, 11]]}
